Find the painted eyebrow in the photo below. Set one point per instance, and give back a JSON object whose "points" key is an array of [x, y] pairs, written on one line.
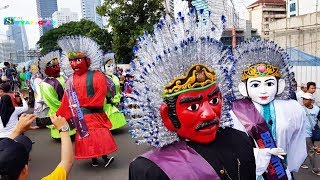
{"points": [[190, 99], [214, 92], [255, 81], [269, 80]]}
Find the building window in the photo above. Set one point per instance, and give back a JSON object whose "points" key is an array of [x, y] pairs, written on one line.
{"points": [[266, 26], [266, 19], [292, 7], [266, 33]]}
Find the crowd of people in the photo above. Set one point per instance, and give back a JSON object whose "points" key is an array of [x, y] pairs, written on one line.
{"points": [[209, 113]]}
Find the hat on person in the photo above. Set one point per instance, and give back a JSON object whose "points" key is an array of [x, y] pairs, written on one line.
{"points": [[303, 85], [307, 96], [14, 155]]}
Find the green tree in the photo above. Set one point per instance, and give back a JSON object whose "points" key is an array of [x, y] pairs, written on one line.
{"points": [[128, 19], [48, 41]]}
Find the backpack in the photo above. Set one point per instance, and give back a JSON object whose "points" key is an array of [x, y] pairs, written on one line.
{"points": [[4, 77]]}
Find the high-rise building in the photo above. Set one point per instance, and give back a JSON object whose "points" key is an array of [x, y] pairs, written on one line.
{"points": [[64, 16], [263, 12], [88, 10], [19, 36], [301, 7], [45, 10], [7, 51], [201, 5], [169, 5]]}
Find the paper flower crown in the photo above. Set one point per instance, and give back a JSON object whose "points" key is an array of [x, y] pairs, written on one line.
{"points": [[260, 70], [197, 77], [73, 55]]}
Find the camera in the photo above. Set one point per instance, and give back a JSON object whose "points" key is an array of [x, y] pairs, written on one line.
{"points": [[43, 122]]}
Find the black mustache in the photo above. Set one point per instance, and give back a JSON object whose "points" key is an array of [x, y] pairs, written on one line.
{"points": [[207, 123]]}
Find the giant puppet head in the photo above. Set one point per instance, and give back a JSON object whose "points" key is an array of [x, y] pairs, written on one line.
{"points": [[109, 63], [262, 72], [179, 86], [80, 54], [192, 105], [49, 64]]}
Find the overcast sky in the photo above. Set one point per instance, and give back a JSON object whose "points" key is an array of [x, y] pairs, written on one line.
{"points": [[27, 9]]}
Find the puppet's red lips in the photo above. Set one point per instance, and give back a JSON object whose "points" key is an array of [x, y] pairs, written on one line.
{"points": [[264, 97]]}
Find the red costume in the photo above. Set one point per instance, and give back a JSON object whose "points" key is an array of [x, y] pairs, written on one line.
{"points": [[100, 140], [82, 57]]}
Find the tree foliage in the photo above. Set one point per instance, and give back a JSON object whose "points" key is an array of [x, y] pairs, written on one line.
{"points": [[48, 41], [128, 19]]}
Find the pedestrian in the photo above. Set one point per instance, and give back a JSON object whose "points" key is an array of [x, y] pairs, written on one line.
{"points": [[293, 94], [8, 75], [14, 154], [303, 89], [28, 77], [83, 100], [22, 78], [9, 114], [312, 111], [5, 88]]}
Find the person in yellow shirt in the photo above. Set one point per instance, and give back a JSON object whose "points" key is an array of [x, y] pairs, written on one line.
{"points": [[14, 150]]}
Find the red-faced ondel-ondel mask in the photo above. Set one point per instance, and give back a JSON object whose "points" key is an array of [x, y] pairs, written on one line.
{"points": [[52, 68], [197, 110], [80, 63]]}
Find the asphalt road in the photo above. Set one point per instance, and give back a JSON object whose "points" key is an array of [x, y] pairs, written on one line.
{"points": [[45, 156]]}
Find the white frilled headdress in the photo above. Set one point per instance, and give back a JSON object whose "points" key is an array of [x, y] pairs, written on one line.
{"points": [[168, 53], [110, 68], [44, 60], [254, 52], [108, 56], [80, 44]]}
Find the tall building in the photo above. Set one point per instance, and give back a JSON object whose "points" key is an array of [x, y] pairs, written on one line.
{"points": [[45, 10], [232, 16], [301, 7], [64, 16], [200, 5], [174, 6], [7, 51], [169, 5], [263, 12], [88, 10], [19, 36]]}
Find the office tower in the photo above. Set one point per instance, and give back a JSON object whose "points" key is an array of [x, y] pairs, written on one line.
{"points": [[45, 10], [19, 36], [64, 16], [88, 10]]}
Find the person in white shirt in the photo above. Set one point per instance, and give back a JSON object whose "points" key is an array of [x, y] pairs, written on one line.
{"points": [[312, 112], [301, 92], [9, 114]]}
